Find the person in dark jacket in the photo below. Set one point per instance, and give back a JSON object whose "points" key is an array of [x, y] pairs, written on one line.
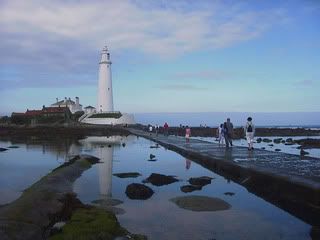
{"points": [[229, 126]]}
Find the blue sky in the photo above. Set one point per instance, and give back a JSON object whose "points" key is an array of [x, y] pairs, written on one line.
{"points": [[168, 56]]}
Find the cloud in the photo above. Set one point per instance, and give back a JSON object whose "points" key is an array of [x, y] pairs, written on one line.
{"points": [[65, 36], [181, 87]]}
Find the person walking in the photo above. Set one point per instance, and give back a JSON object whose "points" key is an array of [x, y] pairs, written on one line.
{"points": [[230, 131], [249, 131], [221, 134], [166, 129], [157, 129], [225, 134], [188, 134]]}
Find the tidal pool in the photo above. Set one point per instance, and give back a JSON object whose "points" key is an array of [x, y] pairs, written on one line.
{"points": [[247, 217]]}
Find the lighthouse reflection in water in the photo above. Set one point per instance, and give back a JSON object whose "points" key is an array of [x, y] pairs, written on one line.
{"points": [[103, 148]]}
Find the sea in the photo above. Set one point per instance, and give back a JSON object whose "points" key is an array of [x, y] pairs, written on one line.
{"points": [[213, 119]]}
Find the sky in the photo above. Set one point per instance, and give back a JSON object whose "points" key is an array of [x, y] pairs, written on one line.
{"points": [[167, 56]]}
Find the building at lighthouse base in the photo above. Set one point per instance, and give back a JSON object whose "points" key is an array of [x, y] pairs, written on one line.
{"points": [[108, 118]]}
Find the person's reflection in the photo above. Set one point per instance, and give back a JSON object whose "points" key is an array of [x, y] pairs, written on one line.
{"points": [[228, 154], [105, 154], [250, 156], [188, 164]]}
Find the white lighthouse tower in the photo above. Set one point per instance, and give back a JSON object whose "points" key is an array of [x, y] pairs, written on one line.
{"points": [[104, 113], [105, 97]]}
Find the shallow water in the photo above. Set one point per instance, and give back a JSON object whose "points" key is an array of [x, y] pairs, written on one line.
{"points": [[249, 217]]}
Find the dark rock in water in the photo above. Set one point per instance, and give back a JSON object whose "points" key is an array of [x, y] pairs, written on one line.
{"points": [[160, 179], [303, 152], [278, 150], [259, 140], [289, 140], [263, 148], [127, 175], [283, 141], [271, 145], [123, 144], [289, 143], [13, 147], [138, 191], [152, 160], [152, 156], [200, 181], [200, 203], [277, 140], [308, 143], [229, 193], [190, 188], [155, 146], [109, 146], [3, 149], [266, 140]]}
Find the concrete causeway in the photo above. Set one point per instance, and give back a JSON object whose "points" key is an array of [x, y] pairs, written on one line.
{"points": [[288, 181]]}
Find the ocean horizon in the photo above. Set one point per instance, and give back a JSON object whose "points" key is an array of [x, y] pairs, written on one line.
{"points": [[213, 119]]}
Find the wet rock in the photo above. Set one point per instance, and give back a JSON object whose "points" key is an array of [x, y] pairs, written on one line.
{"points": [[127, 175], [138, 191], [259, 140], [283, 141], [200, 203], [278, 150], [152, 156], [277, 140], [289, 143], [107, 202], [270, 145], [160, 179], [229, 193], [123, 144], [308, 143], [3, 149], [190, 188], [289, 140], [303, 152], [266, 140], [200, 181], [155, 146], [13, 146], [263, 148], [109, 146]]}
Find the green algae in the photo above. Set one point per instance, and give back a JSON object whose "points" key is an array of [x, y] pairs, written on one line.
{"points": [[92, 223]]}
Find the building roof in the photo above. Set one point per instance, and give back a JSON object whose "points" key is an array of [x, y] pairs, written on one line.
{"points": [[55, 109], [89, 107], [33, 112], [63, 102]]}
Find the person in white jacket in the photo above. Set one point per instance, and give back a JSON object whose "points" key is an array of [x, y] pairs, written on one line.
{"points": [[249, 131]]}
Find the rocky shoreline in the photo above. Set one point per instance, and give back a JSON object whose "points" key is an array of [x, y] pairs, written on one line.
{"points": [[50, 203]]}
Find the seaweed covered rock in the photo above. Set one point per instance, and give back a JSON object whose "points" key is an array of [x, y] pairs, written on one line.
{"points": [[190, 188], [138, 191], [200, 181], [160, 179], [127, 175]]}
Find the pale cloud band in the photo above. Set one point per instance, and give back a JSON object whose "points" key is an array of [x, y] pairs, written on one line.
{"points": [[58, 36]]}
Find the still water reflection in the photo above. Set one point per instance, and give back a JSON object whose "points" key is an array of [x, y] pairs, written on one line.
{"points": [[249, 217]]}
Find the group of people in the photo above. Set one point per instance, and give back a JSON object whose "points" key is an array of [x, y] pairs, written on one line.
{"points": [[225, 133]]}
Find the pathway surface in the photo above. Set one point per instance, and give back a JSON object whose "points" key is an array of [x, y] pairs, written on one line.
{"points": [[278, 177]]}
